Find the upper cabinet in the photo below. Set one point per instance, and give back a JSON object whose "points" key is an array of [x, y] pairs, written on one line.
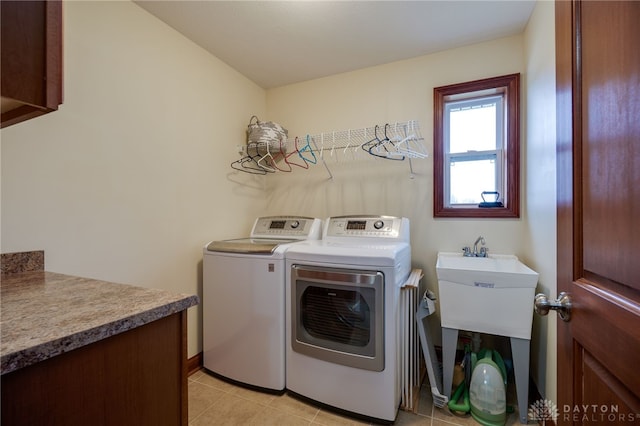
{"points": [[31, 59]]}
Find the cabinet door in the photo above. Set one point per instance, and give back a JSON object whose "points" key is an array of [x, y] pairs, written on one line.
{"points": [[138, 377], [31, 59]]}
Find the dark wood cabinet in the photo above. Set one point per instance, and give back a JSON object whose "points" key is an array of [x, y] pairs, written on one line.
{"points": [[136, 378], [31, 53]]}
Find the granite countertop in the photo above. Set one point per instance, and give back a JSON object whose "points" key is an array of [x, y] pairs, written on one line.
{"points": [[44, 314]]}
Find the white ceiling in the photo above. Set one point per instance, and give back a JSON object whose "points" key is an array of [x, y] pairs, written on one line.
{"points": [[275, 43]]}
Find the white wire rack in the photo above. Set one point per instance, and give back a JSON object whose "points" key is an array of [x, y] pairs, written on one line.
{"points": [[399, 141]]}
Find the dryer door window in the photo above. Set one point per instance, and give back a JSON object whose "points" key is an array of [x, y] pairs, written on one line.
{"points": [[339, 315]]}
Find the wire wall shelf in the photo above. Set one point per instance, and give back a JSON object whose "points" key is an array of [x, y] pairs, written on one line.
{"points": [[400, 142]]}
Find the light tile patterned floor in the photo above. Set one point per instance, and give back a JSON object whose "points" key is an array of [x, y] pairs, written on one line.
{"points": [[215, 402]]}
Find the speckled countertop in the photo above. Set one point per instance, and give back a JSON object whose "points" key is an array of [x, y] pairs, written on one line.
{"points": [[44, 314]]}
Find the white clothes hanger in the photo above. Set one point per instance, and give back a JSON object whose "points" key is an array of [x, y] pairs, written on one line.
{"points": [[270, 158], [410, 145]]}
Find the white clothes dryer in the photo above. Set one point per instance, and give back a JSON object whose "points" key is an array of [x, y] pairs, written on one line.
{"points": [[243, 301], [342, 296]]}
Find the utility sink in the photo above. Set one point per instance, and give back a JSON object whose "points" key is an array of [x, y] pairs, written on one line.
{"points": [[497, 270], [491, 294]]}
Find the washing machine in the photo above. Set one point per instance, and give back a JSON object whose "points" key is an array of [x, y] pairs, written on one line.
{"points": [[342, 296], [243, 301]]}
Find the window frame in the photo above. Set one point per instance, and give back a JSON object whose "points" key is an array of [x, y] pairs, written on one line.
{"points": [[510, 86]]}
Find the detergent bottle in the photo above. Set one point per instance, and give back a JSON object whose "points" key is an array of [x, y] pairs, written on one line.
{"points": [[487, 391]]}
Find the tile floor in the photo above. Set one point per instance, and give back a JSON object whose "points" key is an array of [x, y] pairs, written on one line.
{"points": [[215, 402]]}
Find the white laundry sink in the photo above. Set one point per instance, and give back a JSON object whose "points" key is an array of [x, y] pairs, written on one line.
{"points": [[494, 271], [486, 294]]}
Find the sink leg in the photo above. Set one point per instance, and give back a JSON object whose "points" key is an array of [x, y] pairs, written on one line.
{"points": [[449, 344], [520, 353]]}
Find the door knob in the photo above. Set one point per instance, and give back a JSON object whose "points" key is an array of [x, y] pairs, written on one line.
{"points": [[562, 305]]}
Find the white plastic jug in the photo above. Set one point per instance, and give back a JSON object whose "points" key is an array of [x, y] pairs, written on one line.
{"points": [[487, 391]]}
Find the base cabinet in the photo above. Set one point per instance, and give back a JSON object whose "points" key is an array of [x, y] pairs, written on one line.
{"points": [[138, 377]]}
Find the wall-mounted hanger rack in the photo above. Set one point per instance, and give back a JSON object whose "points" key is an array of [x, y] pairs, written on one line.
{"points": [[399, 141]]}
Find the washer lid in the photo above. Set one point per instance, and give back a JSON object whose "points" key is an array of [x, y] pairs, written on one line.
{"points": [[247, 245]]}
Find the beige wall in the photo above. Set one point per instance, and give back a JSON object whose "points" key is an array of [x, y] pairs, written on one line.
{"points": [[129, 179], [540, 191]]}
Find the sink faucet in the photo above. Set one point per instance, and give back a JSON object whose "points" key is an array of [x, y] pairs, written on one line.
{"points": [[475, 245], [483, 250]]}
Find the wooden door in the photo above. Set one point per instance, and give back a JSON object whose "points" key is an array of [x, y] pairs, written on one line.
{"points": [[598, 158]]}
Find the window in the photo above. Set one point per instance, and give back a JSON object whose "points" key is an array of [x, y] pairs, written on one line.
{"points": [[477, 148]]}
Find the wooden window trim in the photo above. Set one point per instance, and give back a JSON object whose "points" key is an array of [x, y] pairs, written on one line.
{"points": [[512, 172]]}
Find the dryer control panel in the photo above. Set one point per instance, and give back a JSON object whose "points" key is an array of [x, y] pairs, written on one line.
{"points": [[387, 227]]}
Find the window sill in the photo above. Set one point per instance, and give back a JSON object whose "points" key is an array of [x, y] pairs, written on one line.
{"points": [[476, 212]]}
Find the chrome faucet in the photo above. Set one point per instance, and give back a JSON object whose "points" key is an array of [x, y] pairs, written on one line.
{"points": [[466, 251], [475, 245]]}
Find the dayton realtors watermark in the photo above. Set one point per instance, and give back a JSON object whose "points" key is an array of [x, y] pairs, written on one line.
{"points": [[544, 410], [597, 413]]}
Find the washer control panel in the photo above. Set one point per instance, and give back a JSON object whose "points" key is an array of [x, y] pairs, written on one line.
{"points": [[364, 226], [286, 226]]}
